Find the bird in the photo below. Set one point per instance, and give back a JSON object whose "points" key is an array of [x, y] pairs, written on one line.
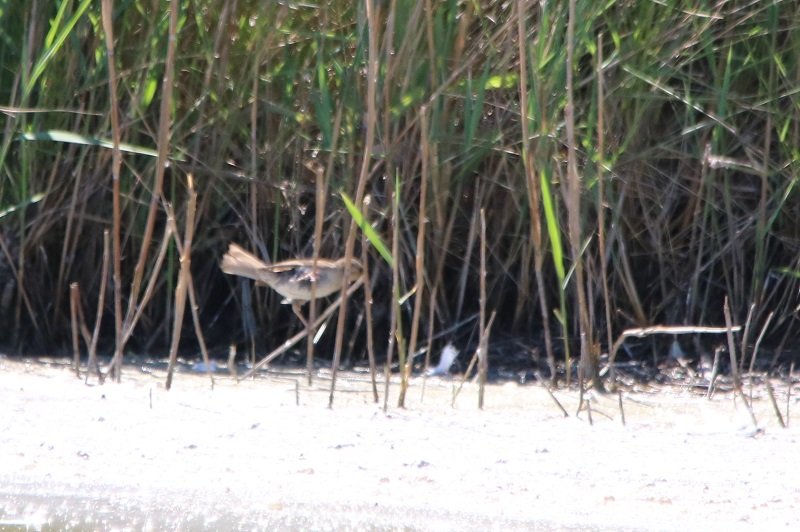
{"points": [[291, 278]]}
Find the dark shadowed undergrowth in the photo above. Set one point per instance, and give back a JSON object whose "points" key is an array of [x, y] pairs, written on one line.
{"points": [[635, 164]]}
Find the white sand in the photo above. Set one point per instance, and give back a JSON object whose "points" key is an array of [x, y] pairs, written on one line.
{"points": [[246, 456]]}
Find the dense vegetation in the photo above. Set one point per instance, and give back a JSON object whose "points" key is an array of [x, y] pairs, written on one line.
{"points": [[635, 164]]}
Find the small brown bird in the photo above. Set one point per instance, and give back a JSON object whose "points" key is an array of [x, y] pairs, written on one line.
{"points": [[291, 278]]}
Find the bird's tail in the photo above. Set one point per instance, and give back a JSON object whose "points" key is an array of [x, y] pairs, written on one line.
{"points": [[237, 261]]}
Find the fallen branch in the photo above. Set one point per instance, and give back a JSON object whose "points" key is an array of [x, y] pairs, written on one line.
{"points": [[642, 332]]}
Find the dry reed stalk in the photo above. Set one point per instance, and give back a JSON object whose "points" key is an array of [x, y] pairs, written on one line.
{"points": [[101, 299], [177, 323], [368, 312], [745, 336], [391, 65], [198, 330], [125, 327], [534, 191], [714, 372], [419, 264], [70, 235], [550, 393], [471, 238], [759, 339], [319, 217], [253, 195], [773, 402], [285, 346], [642, 332], [73, 318], [601, 208], [483, 364], [621, 410], [737, 385], [789, 392], [372, 117], [589, 410], [477, 358], [181, 287], [108, 30], [149, 290], [185, 284], [79, 323], [483, 359], [395, 327], [80, 320], [588, 362], [76, 294]]}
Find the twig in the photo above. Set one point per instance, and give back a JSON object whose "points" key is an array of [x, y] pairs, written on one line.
{"points": [[621, 410], [642, 332], [550, 393], [745, 335], [774, 402], [368, 311], [483, 359], [232, 361], [185, 284], [419, 264], [789, 392], [589, 411], [533, 186], [319, 217], [101, 298], [714, 371], [285, 346], [73, 318], [129, 325], [116, 164], [372, 119], [758, 341], [80, 323], [476, 357], [483, 363], [395, 329], [737, 385]]}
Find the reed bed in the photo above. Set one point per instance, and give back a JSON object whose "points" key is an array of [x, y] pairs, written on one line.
{"points": [[634, 164]]}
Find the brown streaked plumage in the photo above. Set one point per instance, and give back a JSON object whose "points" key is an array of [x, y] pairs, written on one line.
{"points": [[291, 278]]}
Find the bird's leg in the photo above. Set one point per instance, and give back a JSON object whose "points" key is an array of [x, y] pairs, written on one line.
{"points": [[296, 309]]}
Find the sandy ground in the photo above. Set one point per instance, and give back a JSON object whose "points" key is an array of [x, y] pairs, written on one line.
{"points": [[267, 454]]}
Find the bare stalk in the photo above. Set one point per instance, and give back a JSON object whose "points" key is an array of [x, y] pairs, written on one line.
{"points": [[420, 255], [588, 364], [184, 280], [368, 312], [601, 198], [483, 363], [642, 332], [534, 190], [108, 30], [759, 339], [73, 315], [737, 385], [319, 217], [101, 300], [372, 117]]}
